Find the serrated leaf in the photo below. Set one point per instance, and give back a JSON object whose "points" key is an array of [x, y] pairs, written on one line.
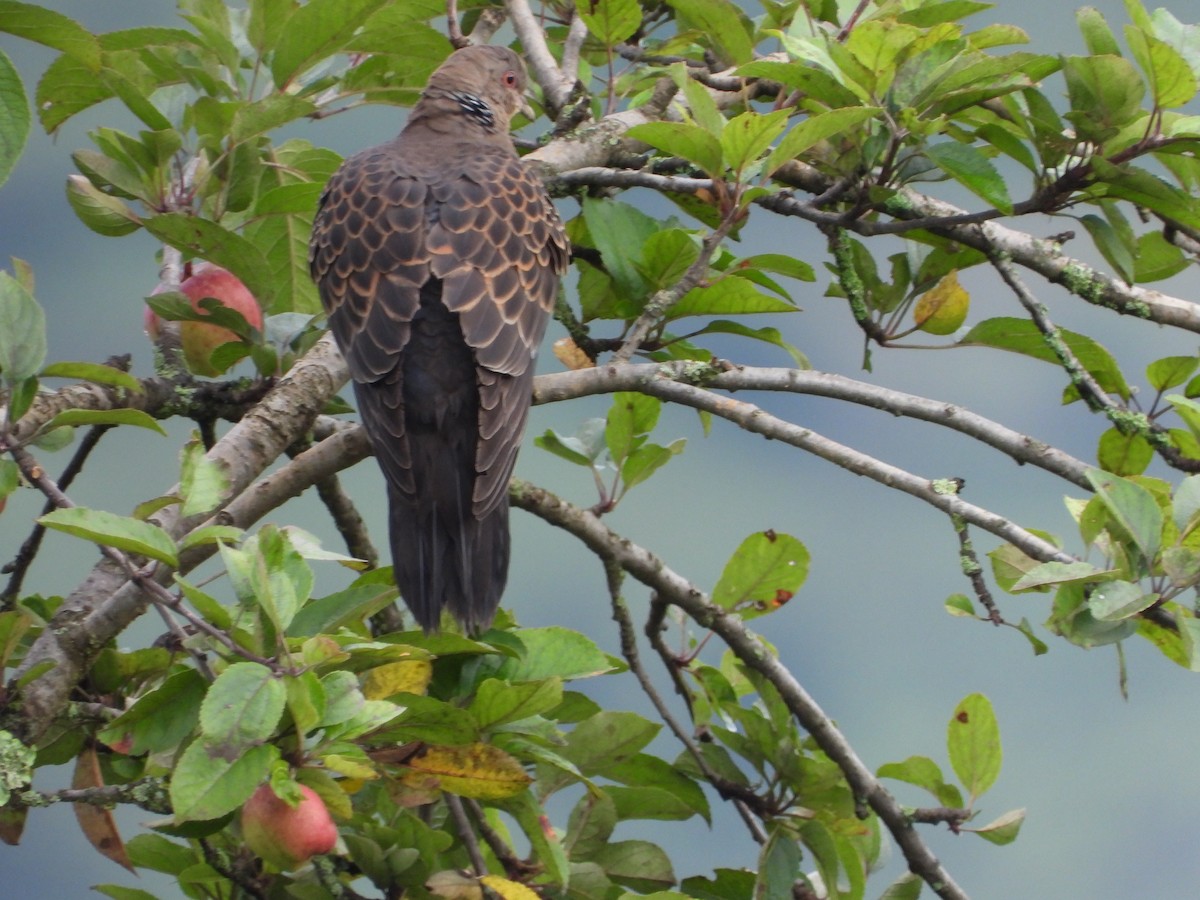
{"points": [[1124, 454], [14, 117], [315, 31], [1112, 601], [22, 332], [161, 719], [1172, 81], [241, 708], [722, 22], [727, 296], [685, 140], [924, 773], [610, 21], [973, 743], [814, 129], [1133, 507], [1058, 573], [556, 651], [409, 676], [637, 864], [207, 785], [203, 483], [1022, 336], [217, 244], [747, 135], [763, 573], [973, 170], [479, 771], [608, 739], [122, 532], [53, 29], [499, 702]]}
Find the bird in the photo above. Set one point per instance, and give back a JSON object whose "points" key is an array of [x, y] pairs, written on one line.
{"points": [[437, 256]]}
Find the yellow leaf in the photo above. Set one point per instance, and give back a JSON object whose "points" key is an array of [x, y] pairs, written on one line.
{"points": [[351, 768], [571, 355], [509, 890], [480, 771], [410, 677], [943, 308]]}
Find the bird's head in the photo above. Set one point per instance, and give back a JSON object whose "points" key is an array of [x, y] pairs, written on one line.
{"points": [[483, 84]]}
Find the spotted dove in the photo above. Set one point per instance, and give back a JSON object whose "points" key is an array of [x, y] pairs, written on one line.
{"points": [[437, 256]]}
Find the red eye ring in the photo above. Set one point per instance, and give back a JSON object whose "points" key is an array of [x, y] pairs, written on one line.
{"points": [[509, 78]]}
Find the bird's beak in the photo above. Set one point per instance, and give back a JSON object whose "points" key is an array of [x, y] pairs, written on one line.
{"points": [[526, 110]]}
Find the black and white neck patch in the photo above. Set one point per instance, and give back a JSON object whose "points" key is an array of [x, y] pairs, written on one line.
{"points": [[476, 108]]}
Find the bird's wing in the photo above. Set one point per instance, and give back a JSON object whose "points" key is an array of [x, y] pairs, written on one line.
{"points": [[499, 248], [369, 261]]}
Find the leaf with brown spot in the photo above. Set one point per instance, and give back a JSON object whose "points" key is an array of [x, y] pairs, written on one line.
{"points": [[479, 771], [97, 822]]}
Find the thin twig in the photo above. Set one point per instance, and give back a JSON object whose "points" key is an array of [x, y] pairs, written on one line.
{"points": [[466, 834], [742, 798], [28, 552], [671, 588]]}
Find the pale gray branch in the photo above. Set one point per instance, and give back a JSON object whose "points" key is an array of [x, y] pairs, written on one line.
{"points": [[671, 588]]}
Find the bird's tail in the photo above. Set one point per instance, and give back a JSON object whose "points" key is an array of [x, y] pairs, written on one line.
{"points": [[451, 562]]}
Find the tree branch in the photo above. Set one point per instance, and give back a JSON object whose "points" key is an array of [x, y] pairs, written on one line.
{"points": [[671, 588]]}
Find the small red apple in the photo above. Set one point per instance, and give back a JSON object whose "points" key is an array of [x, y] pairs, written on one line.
{"points": [[199, 339], [287, 836]]}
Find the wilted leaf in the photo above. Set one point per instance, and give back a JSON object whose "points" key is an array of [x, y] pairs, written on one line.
{"points": [[96, 821], [943, 308], [479, 771]]}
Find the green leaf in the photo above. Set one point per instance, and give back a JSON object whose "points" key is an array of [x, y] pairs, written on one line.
{"points": [[1105, 93], [22, 332], [1155, 258], [747, 135], [1022, 336], [646, 460], [721, 22], [205, 784], [102, 213], [1097, 35], [1134, 509], [121, 532], [1112, 601], [907, 887], [778, 866], [1171, 371], [1059, 573], [591, 824], [555, 651], [763, 574], [53, 29], [499, 702], [973, 743], [607, 739], [266, 114], [618, 231], [960, 605], [1114, 245], [817, 128], [610, 21], [219, 245], [1003, 830], [14, 117], [87, 417], [94, 372], [937, 13], [430, 720], [327, 614], [727, 296], [630, 418], [315, 31], [973, 170], [767, 334], [924, 773], [203, 483], [639, 865], [241, 708], [1124, 454], [682, 139], [1172, 81], [161, 719]]}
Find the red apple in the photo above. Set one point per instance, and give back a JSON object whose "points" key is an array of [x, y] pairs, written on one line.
{"points": [[287, 836], [199, 339]]}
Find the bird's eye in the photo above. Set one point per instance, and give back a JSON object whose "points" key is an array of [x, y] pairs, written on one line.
{"points": [[510, 79]]}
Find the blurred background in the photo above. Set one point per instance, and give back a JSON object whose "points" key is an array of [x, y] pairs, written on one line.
{"points": [[1109, 784]]}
